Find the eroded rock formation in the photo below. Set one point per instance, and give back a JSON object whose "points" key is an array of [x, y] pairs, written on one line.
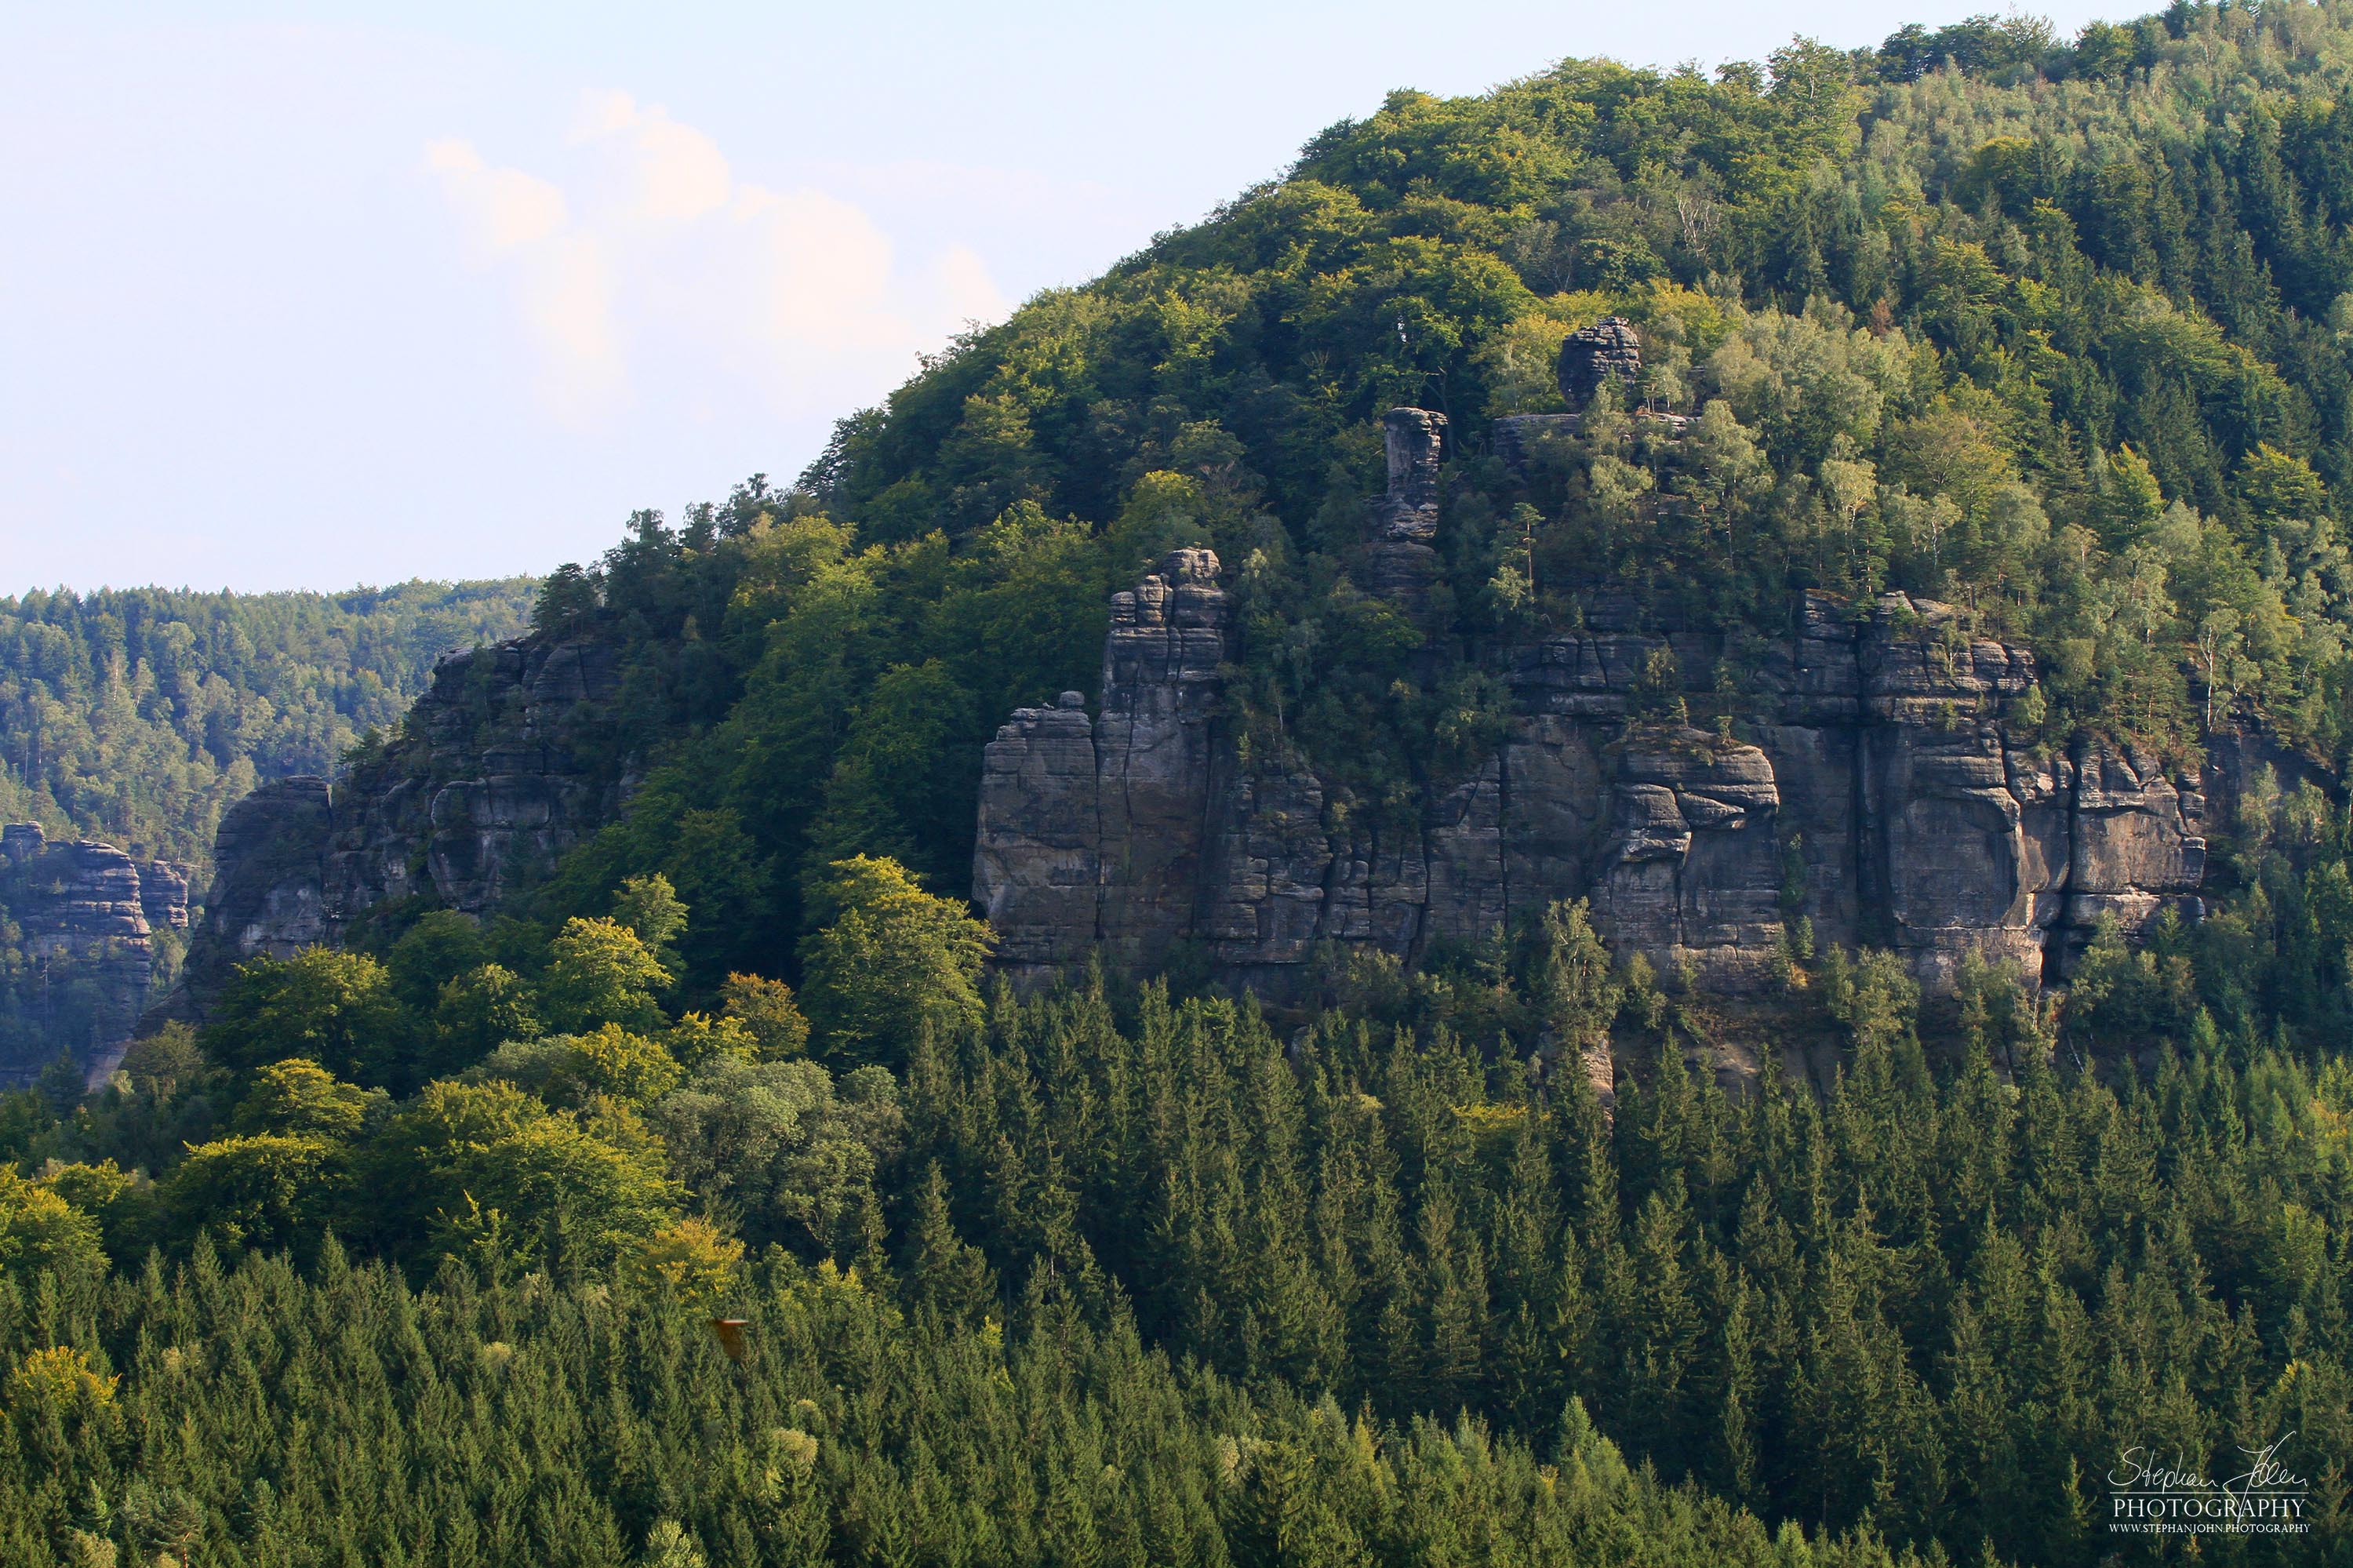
{"points": [[1608, 350], [1880, 796], [504, 763], [1399, 562], [87, 916]]}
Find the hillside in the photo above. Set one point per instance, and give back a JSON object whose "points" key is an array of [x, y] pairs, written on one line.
{"points": [[1612, 831], [2041, 342]]}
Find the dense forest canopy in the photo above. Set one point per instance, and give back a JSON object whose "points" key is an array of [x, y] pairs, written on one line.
{"points": [[416, 1249], [138, 716]]}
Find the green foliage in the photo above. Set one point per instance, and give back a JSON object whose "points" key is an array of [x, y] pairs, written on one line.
{"points": [[768, 1012], [139, 715], [792, 1155], [40, 1230], [301, 1098], [649, 908], [599, 972], [338, 1010], [1969, 1256], [491, 1174], [260, 1189], [269, 1415], [481, 1009], [576, 1069], [891, 964]]}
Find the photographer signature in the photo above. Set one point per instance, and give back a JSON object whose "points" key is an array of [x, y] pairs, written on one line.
{"points": [[2141, 1469]]}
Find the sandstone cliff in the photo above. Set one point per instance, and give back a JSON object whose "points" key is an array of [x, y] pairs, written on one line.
{"points": [[506, 761], [86, 954], [1880, 796]]}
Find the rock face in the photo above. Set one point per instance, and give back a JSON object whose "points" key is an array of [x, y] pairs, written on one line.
{"points": [[1608, 350], [504, 763], [1399, 562], [87, 916], [1879, 797]]}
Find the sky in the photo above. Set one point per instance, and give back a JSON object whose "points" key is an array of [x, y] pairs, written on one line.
{"points": [[311, 296]]}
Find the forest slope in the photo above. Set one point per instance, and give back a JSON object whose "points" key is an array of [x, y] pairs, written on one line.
{"points": [[666, 1005]]}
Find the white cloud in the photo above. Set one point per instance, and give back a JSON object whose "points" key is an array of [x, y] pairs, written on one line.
{"points": [[502, 208], [563, 285], [671, 172], [716, 285]]}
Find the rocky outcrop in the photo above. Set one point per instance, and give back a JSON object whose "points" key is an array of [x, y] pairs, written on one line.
{"points": [[87, 918], [505, 762], [1398, 564], [1038, 857], [1607, 353], [1875, 790], [1870, 785], [1608, 350], [1691, 865], [1520, 438]]}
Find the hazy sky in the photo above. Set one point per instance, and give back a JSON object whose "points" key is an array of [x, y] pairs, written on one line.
{"points": [[307, 296]]}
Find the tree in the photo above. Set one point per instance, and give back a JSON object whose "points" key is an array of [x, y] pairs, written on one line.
{"points": [[649, 908], [568, 601], [2279, 486], [767, 1010], [487, 1170], [301, 1098], [1571, 983], [2130, 500], [793, 1155], [481, 1010], [692, 1261], [946, 1274], [259, 1190], [440, 947], [574, 1069], [598, 972], [163, 1519], [669, 1544], [891, 961], [335, 1009], [39, 1230]]}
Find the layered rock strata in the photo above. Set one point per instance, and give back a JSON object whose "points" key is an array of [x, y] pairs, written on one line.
{"points": [[87, 916], [1876, 792]]}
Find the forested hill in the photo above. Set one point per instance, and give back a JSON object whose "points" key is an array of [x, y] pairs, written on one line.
{"points": [[137, 715], [602, 1139], [2053, 333]]}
